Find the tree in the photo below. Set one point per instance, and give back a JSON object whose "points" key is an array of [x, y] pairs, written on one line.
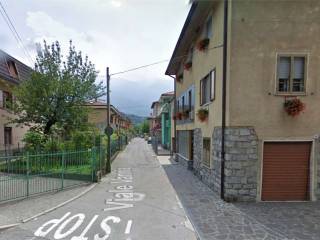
{"points": [[57, 90], [144, 127]]}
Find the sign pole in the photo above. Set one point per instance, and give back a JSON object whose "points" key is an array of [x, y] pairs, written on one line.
{"points": [[108, 167]]}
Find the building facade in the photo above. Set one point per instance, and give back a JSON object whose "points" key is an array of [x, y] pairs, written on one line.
{"points": [[12, 73], [247, 94], [161, 120], [97, 115]]}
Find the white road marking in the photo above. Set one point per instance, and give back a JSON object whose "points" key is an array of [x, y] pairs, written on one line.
{"points": [[59, 235], [128, 228], [84, 232]]}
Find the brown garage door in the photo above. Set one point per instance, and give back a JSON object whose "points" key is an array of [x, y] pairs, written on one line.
{"points": [[286, 171]]}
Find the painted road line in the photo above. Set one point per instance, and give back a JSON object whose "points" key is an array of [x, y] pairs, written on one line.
{"points": [[128, 228]]}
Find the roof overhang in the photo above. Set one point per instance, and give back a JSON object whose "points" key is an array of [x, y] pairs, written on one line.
{"points": [[191, 28]]}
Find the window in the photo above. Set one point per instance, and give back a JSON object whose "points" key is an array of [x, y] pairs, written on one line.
{"points": [[291, 74], [12, 69], [207, 88], [208, 26], [183, 103], [7, 100], [206, 152], [213, 85], [190, 100], [7, 135]]}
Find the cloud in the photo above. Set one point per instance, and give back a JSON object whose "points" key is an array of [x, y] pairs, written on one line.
{"points": [[116, 3]]}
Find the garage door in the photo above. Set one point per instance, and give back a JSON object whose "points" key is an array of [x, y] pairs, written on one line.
{"points": [[286, 171]]}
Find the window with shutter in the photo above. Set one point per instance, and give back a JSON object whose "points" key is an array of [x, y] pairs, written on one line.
{"points": [[209, 31], [291, 74], [207, 85], [212, 85]]}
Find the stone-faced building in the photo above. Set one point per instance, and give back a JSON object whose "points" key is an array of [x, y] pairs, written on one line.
{"points": [[12, 73], [247, 98]]}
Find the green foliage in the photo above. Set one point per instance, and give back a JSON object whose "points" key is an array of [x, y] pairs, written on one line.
{"points": [[34, 141], [144, 127], [57, 91], [53, 145], [83, 139]]}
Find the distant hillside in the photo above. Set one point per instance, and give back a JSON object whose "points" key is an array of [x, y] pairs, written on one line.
{"points": [[136, 119]]}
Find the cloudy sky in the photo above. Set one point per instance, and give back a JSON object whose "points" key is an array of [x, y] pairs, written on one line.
{"points": [[121, 34]]}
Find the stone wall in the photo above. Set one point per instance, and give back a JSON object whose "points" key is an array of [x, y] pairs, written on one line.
{"points": [[241, 162], [209, 175], [317, 162]]}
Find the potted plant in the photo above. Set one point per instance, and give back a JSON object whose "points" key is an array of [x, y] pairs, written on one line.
{"points": [[185, 114], [203, 44], [180, 77], [203, 114], [293, 107], [179, 116], [188, 65]]}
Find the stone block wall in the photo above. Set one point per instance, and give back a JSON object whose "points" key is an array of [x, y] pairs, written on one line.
{"points": [[317, 172], [210, 176], [241, 164]]}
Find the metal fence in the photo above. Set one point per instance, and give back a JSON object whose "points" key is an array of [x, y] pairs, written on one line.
{"points": [[23, 174]]}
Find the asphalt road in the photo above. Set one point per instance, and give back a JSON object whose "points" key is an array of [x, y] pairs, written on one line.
{"points": [[135, 202]]}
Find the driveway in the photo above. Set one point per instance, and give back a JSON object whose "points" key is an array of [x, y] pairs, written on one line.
{"points": [[215, 219]]}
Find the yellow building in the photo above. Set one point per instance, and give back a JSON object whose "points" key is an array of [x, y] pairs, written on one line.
{"points": [[12, 72], [97, 115], [247, 97]]}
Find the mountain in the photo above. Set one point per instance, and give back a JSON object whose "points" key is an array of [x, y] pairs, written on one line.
{"points": [[136, 119]]}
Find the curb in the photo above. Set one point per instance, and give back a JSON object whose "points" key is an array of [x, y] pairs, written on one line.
{"points": [[5, 227], [59, 205]]}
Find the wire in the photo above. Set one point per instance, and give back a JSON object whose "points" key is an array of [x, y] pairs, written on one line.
{"points": [[15, 32], [157, 63]]}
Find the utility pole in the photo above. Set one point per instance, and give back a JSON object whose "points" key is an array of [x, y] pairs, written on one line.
{"points": [[109, 129]]}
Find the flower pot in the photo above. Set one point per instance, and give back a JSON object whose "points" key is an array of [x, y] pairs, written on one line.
{"points": [[203, 115], [203, 44], [187, 66], [179, 78], [179, 116], [294, 107]]}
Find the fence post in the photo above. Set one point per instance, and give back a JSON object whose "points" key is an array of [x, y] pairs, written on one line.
{"points": [[62, 170], [93, 156], [28, 171]]}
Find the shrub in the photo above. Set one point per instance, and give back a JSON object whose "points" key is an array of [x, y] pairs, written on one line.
{"points": [[34, 141], [53, 145]]}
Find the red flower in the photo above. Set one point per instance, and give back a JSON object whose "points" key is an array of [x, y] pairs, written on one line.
{"points": [[187, 66], [203, 44], [294, 107]]}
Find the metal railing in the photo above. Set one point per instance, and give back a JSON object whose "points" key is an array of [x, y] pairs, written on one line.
{"points": [[27, 174]]}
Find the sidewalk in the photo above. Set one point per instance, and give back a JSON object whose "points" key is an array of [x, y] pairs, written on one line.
{"points": [[212, 217], [16, 211]]}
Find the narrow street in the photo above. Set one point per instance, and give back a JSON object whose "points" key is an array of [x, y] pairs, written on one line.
{"points": [[136, 201]]}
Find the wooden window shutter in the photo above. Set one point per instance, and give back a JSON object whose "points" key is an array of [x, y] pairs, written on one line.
{"points": [[212, 84], [201, 97]]}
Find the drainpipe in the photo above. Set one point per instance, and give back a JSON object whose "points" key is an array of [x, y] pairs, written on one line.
{"points": [[224, 86], [174, 111]]}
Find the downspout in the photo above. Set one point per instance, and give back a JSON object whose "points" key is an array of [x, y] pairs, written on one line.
{"points": [[174, 111], [224, 86]]}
